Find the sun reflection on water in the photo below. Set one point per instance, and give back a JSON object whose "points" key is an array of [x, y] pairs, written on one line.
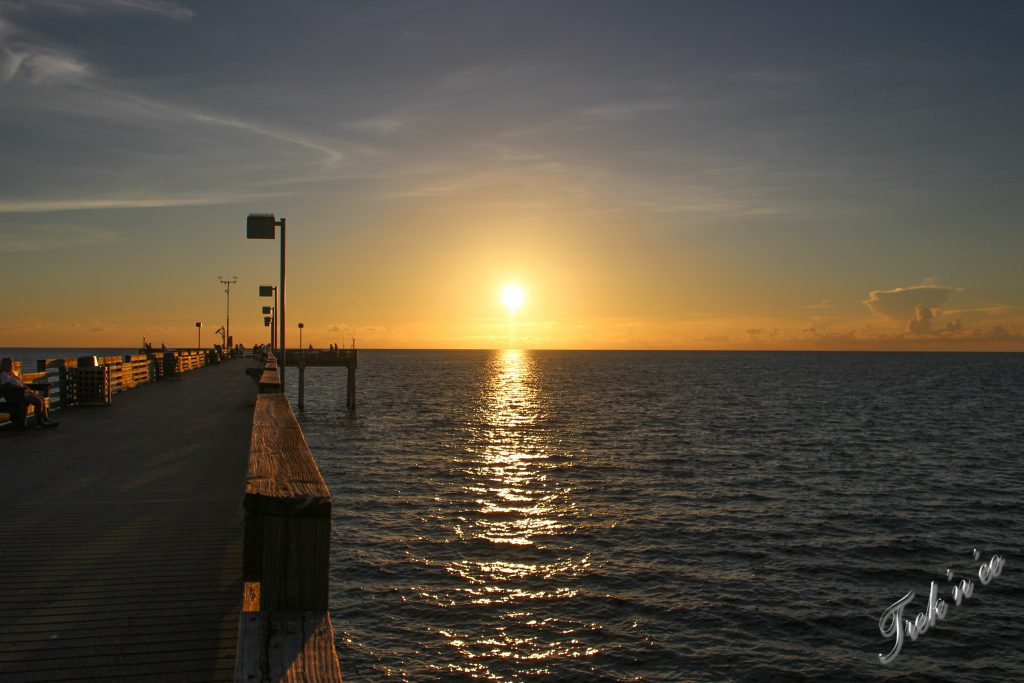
{"points": [[516, 500], [518, 516]]}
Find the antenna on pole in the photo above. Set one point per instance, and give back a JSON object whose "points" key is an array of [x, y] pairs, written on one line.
{"points": [[227, 321]]}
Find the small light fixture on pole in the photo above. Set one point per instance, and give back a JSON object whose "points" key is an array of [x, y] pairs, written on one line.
{"points": [[261, 226], [271, 290], [268, 312], [300, 336], [199, 335]]}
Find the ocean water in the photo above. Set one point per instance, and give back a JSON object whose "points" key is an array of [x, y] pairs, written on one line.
{"points": [[564, 516]]}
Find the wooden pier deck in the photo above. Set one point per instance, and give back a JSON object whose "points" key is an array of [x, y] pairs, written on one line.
{"points": [[121, 535]]}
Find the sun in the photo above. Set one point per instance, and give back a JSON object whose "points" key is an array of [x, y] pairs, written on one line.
{"points": [[513, 297]]}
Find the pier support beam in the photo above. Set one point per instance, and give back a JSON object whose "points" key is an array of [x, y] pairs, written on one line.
{"points": [[334, 358]]}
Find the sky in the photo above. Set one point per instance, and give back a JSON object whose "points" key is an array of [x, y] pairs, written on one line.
{"points": [[654, 175]]}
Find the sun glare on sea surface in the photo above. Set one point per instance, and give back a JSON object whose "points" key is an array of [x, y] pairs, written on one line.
{"points": [[513, 297]]}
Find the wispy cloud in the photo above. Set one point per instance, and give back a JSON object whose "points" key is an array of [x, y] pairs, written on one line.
{"points": [[94, 203], [379, 125], [66, 82], [165, 8], [47, 238], [626, 110], [40, 66], [25, 57], [330, 155]]}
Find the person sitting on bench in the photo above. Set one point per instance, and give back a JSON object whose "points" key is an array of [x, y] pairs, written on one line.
{"points": [[15, 392]]}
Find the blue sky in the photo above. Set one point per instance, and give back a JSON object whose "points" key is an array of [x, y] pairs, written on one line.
{"points": [[657, 174]]}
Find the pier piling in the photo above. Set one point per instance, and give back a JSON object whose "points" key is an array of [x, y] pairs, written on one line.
{"points": [[350, 396]]}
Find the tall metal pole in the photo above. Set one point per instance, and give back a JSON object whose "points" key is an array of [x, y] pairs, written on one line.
{"points": [[227, 322], [282, 364]]}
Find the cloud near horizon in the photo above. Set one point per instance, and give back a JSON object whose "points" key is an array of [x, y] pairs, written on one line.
{"points": [[902, 303], [921, 323]]}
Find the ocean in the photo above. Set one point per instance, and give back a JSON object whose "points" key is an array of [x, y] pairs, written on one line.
{"points": [[677, 516]]}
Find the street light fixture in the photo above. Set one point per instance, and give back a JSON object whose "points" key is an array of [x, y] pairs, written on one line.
{"points": [[268, 321], [271, 290], [199, 335], [300, 337], [261, 226]]}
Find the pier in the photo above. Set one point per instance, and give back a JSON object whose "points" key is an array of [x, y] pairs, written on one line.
{"points": [[179, 532], [311, 358]]}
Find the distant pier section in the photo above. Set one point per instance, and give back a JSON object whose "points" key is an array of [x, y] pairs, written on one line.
{"points": [[321, 358]]}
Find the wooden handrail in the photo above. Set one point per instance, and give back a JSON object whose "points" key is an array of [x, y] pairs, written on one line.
{"points": [[285, 629], [289, 506], [270, 379]]}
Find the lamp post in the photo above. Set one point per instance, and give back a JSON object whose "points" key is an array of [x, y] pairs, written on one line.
{"points": [[260, 226], [300, 337], [199, 335], [227, 320]]}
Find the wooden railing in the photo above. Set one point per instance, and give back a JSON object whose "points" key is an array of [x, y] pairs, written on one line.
{"points": [[270, 378], [51, 373], [285, 628], [71, 382], [91, 386]]}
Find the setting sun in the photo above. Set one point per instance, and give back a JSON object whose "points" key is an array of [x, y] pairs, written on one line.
{"points": [[513, 297]]}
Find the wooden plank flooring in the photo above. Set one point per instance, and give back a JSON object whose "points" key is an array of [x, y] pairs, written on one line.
{"points": [[121, 535]]}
